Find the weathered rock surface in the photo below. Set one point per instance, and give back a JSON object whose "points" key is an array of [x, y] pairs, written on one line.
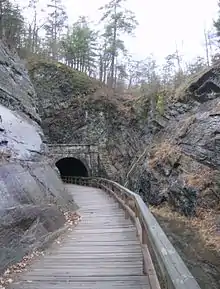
{"points": [[20, 137], [80, 111], [172, 157], [32, 197], [17, 92], [182, 164]]}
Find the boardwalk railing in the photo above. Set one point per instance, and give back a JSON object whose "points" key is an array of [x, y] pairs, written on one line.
{"points": [[170, 268]]}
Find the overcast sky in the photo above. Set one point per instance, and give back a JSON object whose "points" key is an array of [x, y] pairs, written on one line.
{"points": [[162, 23]]}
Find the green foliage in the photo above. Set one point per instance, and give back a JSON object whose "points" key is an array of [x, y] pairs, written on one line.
{"points": [[56, 21], [118, 20], [102, 56], [160, 103], [79, 47], [11, 23]]}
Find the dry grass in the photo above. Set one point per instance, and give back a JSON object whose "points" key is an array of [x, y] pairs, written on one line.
{"points": [[208, 227], [205, 224], [163, 152], [201, 179], [105, 97]]}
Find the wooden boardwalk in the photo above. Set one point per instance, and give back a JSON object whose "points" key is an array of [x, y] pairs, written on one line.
{"points": [[102, 252]]}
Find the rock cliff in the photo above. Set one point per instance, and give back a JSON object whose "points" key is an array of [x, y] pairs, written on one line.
{"points": [[173, 157], [77, 109], [181, 164], [32, 197], [169, 157]]}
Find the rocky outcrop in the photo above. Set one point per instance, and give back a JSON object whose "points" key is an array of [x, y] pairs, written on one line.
{"points": [[170, 157], [81, 111], [181, 165], [32, 197]]}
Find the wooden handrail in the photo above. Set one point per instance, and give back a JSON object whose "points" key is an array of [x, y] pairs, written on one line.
{"points": [[171, 270]]}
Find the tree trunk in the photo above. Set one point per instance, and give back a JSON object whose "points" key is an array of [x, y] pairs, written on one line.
{"points": [[100, 68], [130, 82], [34, 33], [113, 50]]}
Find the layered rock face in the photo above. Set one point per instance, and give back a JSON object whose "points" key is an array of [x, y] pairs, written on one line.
{"points": [[182, 164], [32, 197], [171, 158], [78, 110]]}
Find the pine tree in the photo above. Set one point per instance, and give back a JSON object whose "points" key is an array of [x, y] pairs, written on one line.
{"points": [[79, 47], [32, 39], [11, 23], [217, 24], [56, 22], [118, 20]]}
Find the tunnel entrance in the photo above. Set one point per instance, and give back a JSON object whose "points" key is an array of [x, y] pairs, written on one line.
{"points": [[71, 167]]}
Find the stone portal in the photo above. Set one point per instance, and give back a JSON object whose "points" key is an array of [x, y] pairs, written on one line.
{"points": [[71, 167]]}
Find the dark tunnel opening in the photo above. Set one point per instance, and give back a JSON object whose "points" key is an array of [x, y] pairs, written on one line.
{"points": [[71, 167]]}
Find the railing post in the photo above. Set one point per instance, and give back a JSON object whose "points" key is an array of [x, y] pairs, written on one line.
{"points": [[119, 204], [137, 216], [136, 210], [144, 242], [125, 199]]}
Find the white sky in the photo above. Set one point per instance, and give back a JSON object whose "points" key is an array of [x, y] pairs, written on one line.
{"points": [[162, 23]]}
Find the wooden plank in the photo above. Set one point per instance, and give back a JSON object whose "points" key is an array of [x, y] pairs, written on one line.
{"points": [[101, 252], [84, 272], [172, 267], [122, 278], [141, 283]]}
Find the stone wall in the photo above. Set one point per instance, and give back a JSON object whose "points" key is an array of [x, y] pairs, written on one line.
{"points": [[87, 154]]}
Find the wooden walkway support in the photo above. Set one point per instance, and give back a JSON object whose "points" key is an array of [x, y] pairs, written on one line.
{"points": [[118, 244]]}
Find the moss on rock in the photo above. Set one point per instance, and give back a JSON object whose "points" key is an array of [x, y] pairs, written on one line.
{"points": [[58, 76]]}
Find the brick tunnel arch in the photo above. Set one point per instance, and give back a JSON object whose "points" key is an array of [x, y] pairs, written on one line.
{"points": [[73, 167]]}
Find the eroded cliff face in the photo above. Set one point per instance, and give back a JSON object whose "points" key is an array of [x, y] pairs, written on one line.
{"points": [[32, 197], [171, 158], [181, 164], [76, 109]]}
